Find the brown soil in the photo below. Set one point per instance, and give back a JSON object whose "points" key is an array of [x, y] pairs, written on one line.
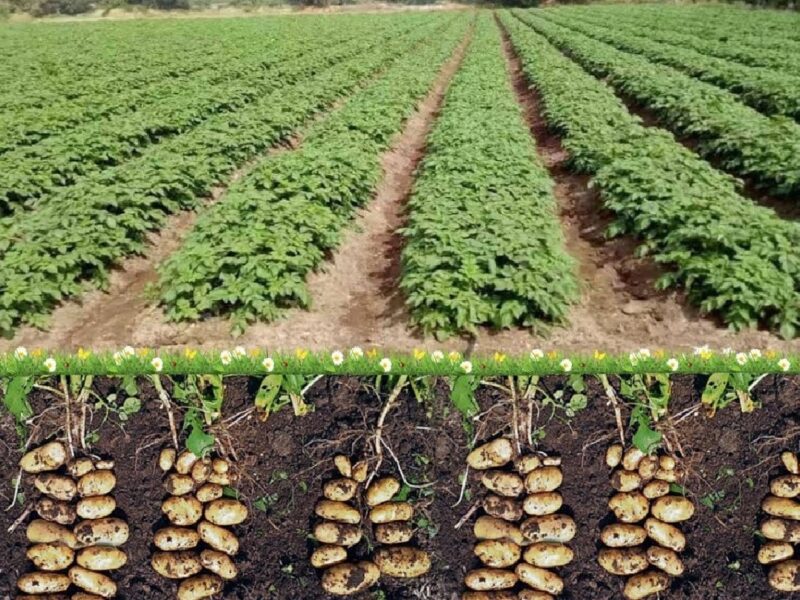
{"points": [[286, 460]]}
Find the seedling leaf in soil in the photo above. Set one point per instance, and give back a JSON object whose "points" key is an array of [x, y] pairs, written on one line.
{"points": [[15, 400], [462, 396]]}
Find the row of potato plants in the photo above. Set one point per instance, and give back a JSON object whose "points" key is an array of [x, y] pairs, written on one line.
{"points": [[743, 141], [484, 245], [735, 49], [734, 258], [32, 171], [248, 256], [768, 91], [77, 236]]}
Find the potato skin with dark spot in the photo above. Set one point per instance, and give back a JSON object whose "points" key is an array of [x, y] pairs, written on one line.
{"points": [[402, 561]]}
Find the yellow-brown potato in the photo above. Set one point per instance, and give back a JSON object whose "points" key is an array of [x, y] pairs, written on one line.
{"points": [[218, 538], [179, 485], [388, 512], [646, 584], [648, 467], [665, 559], [499, 595], [166, 459], [182, 510], [56, 511], [382, 490], [665, 534], [656, 489], [43, 583], [498, 554], [360, 471], [96, 483], [503, 508], [530, 594], [551, 461], [222, 478], [623, 535], [176, 565], [209, 492], [526, 464], [505, 484], [51, 557], [785, 576], [49, 457], [629, 507], [496, 453], [545, 479], [492, 528], [78, 596], [672, 509], [548, 555], [786, 486], [549, 528], [542, 503], [170, 539], [94, 583], [669, 475], [327, 555], [667, 463], [398, 532], [784, 508], [773, 552], [185, 462], [780, 530], [329, 532], [343, 465], [101, 558], [220, 465], [106, 464], [791, 463], [625, 481], [490, 579], [540, 579], [199, 587], [95, 507], [79, 467], [220, 564], [623, 561], [614, 456], [59, 487], [337, 511], [44, 532], [105, 532], [340, 490], [202, 470], [402, 561], [347, 579], [226, 512], [631, 458]]}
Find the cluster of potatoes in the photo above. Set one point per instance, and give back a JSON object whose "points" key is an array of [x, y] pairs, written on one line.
{"points": [[644, 544], [197, 546], [75, 540], [515, 552], [781, 528], [340, 530]]}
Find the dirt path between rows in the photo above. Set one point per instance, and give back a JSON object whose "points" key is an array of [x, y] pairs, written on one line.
{"points": [[356, 299]]}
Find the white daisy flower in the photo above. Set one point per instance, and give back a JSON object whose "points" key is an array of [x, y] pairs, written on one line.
{"points": [[157, 363], [50, 364], [21, 353], [755, 353], [566, 364], [118, 358], [337, 358], [225, 357], [673, 364], [268, 364], [128, 351], [644, 353], [239, 352], [633, 357], [701, 350], [784, 364], [356, 352], [741, 358], [437, 356], [537, 354], [727, 351], [386, 365], [466, 366]]}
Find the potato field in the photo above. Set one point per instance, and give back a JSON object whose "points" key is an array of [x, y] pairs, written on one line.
{"points": [[594, 176]]}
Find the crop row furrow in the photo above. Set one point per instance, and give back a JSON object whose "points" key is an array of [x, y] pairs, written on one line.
{"points": [[734, 258], [78, 235], [484, 246], [248, 257], [743, 141]]}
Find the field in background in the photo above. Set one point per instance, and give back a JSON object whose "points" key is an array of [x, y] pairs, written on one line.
{"points": [[594, 176]]}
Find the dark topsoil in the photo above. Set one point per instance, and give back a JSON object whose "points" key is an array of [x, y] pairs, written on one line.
{"points": [[285, 461]]}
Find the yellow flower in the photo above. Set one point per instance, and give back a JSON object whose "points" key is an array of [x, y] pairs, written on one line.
{"points": [[599, 355], [36, 353], [419, 354], [254, 352], [454, 356], [499, 357], [143, 352], [659, 354], [190, 353], [83, 354], [372, 353], [301, 354], [552, 355], [770, 354]]}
